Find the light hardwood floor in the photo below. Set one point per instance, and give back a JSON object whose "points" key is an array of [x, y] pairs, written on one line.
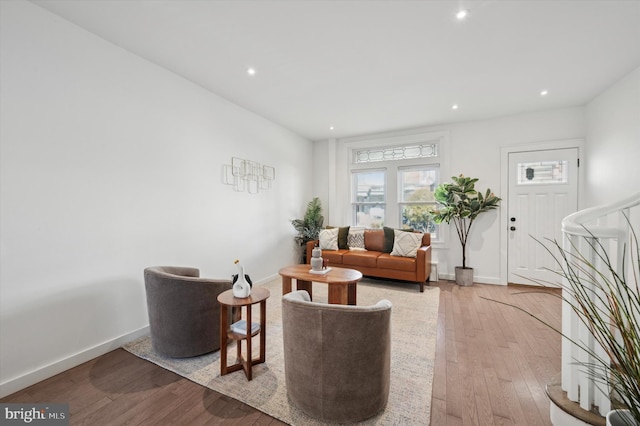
{"points": [[494, 361], [492, 364]]}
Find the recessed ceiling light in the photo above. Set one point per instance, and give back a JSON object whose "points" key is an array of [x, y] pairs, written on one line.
{"points": [[455, 106], [251, 71], [544, 93], [462, 14], [331, 127]]}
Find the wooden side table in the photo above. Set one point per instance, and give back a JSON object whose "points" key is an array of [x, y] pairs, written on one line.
{"points": [[226, 299]]}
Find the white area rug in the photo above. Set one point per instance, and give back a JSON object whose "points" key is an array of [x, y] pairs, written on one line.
{"points": [[413, 333]]}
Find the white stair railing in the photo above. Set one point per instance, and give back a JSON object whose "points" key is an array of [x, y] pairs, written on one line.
{"points": [[606, 226]]}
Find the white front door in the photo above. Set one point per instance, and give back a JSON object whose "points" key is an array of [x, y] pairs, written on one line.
{"points": [[543, 189]]}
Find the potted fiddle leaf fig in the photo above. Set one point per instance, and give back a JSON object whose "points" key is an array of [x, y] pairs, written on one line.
{"points": [[310, 226], [460, 203]]}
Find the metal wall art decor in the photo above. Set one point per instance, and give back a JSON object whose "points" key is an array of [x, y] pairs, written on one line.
{"points": [[247, 175]]}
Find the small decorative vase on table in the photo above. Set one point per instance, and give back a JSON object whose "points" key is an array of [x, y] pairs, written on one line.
{"points": [[241, 282], [316, 259]]}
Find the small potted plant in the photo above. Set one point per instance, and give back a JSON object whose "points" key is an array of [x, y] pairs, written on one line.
{"points": [[460, 203], [310, 226]]}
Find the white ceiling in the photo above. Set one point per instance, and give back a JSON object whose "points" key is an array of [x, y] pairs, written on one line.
{"points": [[374, 66]]}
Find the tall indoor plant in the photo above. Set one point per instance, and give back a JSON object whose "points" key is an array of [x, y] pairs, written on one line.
{"points": [[460, 203], [309, 227]]}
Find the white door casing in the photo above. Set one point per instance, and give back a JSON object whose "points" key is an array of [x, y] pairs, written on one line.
{"points": [[542, 190]]}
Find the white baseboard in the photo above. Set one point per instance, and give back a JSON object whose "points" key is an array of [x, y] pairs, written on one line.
{"points": [[14, 385], [267, 279], [479, 280]]}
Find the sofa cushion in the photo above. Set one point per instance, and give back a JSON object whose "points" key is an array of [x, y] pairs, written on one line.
{"points": [[355, 239], [329, 239], [406, 244], [373, 239], [361, 258], [396, 263], [333, 257]]}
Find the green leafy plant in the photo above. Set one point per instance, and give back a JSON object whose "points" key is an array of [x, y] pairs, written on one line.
{"points": [[460, 203], [607, 301], [309, 227]]}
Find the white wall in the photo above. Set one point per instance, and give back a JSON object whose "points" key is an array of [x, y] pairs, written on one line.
{"points": [[474, 150], [321, 177], [613, 142], [110, 164], [609, 124]]}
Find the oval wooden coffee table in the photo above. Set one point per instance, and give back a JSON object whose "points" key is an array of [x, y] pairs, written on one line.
{"points": [[341, 282]]}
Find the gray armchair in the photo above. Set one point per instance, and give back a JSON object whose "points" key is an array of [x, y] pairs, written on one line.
{"points": [[184, 313], [336, 357]]}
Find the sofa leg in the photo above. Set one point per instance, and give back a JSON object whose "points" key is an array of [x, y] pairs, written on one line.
{"points": [[422, 284]]}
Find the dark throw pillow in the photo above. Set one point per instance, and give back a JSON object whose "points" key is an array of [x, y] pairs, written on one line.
{"points": [[389, 236], [343, 238]]}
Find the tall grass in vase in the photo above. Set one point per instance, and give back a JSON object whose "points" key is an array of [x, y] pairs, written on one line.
{"points": [[607, 301]]}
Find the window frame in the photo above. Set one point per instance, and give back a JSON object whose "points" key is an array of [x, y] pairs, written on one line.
{"points": [[344, 151], [354, 195], [393, 204], [430, 204]]}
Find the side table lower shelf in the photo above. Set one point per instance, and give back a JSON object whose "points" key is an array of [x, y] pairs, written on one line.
{"points": [[241, 362]]}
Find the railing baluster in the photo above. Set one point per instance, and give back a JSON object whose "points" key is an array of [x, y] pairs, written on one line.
{"points": [[570, 377]]}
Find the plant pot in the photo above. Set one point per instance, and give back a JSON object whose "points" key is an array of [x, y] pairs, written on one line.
{"points": [[464, 276], [620, 418]]}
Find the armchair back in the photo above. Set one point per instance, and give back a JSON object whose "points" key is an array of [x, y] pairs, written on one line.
{"points": [[184, 313], [337, 357]]}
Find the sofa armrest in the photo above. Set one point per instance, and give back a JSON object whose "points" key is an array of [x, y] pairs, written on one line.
{"points": [[423, 263]]}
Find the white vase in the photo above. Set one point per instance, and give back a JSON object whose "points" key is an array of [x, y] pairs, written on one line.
{"points": [[241, 287], [316, 259], [620, 418]]}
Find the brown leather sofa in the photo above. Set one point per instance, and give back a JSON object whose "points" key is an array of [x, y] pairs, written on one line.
{"points": [[377, 260]]}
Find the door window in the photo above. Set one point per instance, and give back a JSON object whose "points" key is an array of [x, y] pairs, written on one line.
{"points": [[543, 172]]}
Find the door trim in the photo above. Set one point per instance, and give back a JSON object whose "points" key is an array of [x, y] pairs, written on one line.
{"points": [[504, 187]]}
